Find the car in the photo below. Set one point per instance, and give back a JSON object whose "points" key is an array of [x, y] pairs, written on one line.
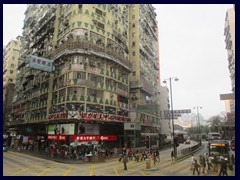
{"points": [[5, 148], [187, 141]]}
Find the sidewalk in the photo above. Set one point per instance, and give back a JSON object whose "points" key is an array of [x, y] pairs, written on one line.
{"points": [[67, 161]]}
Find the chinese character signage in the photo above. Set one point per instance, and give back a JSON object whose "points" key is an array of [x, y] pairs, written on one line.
{"points": [[81, 138], [40, 63]]}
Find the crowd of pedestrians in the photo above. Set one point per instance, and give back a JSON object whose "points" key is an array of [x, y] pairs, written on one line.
{"points": [[207, 163], [128, 155]]}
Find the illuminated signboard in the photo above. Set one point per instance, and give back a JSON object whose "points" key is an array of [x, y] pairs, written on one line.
{"points": [[40, 63], [218, 144]]}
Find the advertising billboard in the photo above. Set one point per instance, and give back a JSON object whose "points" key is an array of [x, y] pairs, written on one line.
{"points": [[40, 63], [61, 129], [92, 129]]}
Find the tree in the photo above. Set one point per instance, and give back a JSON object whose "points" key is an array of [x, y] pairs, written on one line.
{"points": [[216, 122]]}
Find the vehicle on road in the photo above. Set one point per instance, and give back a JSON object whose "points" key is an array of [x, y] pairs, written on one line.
{"points": [[214, 135], [219, 148], [5, 148]]}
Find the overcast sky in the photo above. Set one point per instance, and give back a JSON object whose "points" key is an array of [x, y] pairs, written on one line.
{"points": [[192, 48]]}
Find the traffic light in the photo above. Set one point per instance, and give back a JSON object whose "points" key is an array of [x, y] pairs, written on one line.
{"points": [[147, 143]]}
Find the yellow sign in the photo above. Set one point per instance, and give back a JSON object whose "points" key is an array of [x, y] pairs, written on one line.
{"points": [[217, 144]]}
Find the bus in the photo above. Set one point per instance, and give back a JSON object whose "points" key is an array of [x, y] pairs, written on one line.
{"points": [[214, 135], [219, 148]]}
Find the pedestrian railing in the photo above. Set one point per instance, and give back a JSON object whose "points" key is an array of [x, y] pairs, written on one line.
{"points": [[187, 151]]}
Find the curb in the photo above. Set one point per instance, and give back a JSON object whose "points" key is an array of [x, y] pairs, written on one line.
{"points": [[189, 155]]}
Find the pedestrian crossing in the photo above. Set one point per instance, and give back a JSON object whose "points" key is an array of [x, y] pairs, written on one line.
{"points": [[15, 165]]}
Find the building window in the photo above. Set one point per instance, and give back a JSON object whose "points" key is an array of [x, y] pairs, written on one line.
{"points": [[98, 11], [133, 44], [133, 34], [133, 25], [133, 16], [13, 58], [11, 71], [133, 53], [134, 73], [100, 25]]}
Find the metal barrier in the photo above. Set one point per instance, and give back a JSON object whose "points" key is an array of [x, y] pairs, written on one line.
{"points": [[187, 151]]}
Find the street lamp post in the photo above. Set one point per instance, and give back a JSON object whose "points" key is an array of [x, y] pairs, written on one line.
{"points": [[198, 121], [170, 81]]}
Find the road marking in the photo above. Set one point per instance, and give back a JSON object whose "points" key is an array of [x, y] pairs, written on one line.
{"points": [[45, 171], [24, 169], [20, 171], [116, 171], [165, 164], [91, 170], [181, 172], [142, 173], [179, 167], [66, 173]]}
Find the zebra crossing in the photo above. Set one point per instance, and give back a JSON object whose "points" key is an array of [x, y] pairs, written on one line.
{"points": [[16, 164]]}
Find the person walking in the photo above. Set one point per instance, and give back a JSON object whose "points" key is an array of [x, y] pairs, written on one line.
{"points": [[154, 158], [202, 163], [196, 167], [223, 168], [158, 155], [209, 162], [172, 156], [125, 160]]}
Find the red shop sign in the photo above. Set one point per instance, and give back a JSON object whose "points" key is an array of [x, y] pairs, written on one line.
{"points": [[57, 137], [94, 138]]}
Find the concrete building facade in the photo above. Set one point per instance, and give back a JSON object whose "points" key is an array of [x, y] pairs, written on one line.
{"points": [[10, 61], [94, 50], [229, 32]]}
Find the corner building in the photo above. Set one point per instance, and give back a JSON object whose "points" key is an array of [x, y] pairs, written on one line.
{"points": [[85, 97]]}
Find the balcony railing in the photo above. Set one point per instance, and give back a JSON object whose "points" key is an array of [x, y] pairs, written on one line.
{"points": [[143, 85], [90, 46]]}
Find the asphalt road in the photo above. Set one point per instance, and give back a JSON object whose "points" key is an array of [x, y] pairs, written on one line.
{"points": [[19, 164]]}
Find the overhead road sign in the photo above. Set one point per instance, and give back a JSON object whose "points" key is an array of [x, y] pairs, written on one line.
{"points": [[148, 108]]}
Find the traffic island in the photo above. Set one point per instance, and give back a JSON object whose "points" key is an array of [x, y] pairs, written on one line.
{"points": [[149, 167]]}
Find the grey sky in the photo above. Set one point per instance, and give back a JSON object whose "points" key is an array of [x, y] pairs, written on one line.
{"points": [[192, 47]]}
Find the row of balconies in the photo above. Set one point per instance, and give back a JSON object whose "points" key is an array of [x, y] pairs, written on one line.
{"points": [[87, 45], [143, 85]]}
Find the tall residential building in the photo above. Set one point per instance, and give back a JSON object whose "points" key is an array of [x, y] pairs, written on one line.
{"points": [[143, 56], [166, 124], [87, 94], [229, 32], [10, 61], [230, 105]]}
